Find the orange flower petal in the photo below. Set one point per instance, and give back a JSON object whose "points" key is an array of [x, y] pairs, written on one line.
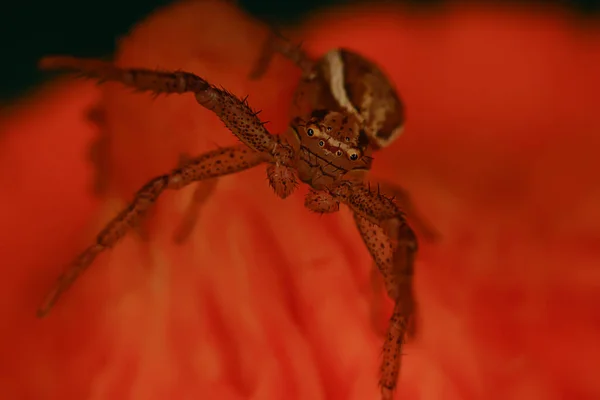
{"points": [[269, 301]]}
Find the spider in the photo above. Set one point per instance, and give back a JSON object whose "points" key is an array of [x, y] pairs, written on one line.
{"points": [[345, 108]]}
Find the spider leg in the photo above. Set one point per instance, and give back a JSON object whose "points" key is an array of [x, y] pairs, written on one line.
{"points": [[393, 245], [377, 301], [241, 120], [394, 258], [213, 164], [276, 43], [325, 203], [426, 230], [391, 256], [202, 192], [98, 155], [417, 220], [374, 206], [98, 151], [321, 202]]}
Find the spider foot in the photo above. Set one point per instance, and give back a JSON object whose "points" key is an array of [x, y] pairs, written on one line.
{"points": [[98, 153], [202, 192]]}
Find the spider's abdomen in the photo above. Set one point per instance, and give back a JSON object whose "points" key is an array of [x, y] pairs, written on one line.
{"points": [[346, 81]]}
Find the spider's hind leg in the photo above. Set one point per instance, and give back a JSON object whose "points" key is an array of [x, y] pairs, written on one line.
{"points": [[98, 152], [422, 225], [276, 43], [202, 192]]}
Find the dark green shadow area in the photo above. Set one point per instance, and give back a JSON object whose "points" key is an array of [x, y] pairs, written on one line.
{"points": [[29, 30]]}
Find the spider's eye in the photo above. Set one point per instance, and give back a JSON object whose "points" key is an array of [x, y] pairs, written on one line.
{"points": [[329, 129], [347, 139], [353, 155], [338, 153], [321, 143], [310, 132]]}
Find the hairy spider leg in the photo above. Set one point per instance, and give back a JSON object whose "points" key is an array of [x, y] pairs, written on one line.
{"points": [[237, 115], [210, 165], [321, 202], [395, 261], [191, 214], [99, 156], [422, 226], [202, 192], [393, 246], [276, 43], [98, 151]]}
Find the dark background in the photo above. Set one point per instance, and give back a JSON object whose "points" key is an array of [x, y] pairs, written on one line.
{"points": [[89, 28]]}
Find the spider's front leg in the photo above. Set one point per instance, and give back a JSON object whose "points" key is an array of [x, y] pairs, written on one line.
{"points": [[210, 165], [241, 120], [259, 146], [237, 115], [393, 246]]}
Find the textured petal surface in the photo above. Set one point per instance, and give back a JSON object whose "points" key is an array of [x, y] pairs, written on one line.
{"points": [[269, 301]]}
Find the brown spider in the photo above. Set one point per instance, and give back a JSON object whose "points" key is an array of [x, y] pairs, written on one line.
{"points": [[344, 109]]}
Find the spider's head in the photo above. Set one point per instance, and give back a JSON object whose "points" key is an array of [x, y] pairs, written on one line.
{"points": [[336, 138]]}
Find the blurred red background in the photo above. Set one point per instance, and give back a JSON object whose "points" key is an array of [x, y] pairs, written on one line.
{"points": [[269, 301]]}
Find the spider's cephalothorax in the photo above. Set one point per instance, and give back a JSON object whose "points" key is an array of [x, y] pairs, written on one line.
{"points": [[330, 146], [345, 109]]}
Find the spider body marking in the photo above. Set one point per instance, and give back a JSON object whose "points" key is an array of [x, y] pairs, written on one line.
{"points": [[344, 109], [345, 81]]}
